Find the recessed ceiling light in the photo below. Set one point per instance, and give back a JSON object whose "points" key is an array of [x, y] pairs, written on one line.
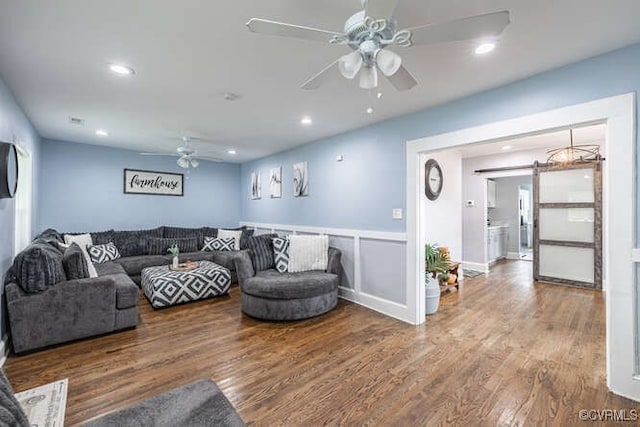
{"points": [[485, 48], [379, 95], [123, 70], [369, 110], [306, 120], [231, 152], [506, 147], [101, 132]]}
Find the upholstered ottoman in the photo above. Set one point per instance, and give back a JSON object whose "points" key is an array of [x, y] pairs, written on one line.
{"points": [[164, 287]]}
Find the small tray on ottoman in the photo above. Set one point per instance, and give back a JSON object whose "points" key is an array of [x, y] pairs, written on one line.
{"points": [[184, 266], [164, 287]]}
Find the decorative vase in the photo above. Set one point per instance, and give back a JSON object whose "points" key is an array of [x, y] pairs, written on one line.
{"points": [[432, 295], [175, 262]]}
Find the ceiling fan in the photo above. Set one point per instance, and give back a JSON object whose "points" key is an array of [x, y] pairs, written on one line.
{"points": [[373, 29], [187, 154]]}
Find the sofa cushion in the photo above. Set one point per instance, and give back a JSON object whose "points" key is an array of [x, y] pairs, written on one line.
{"points": [[180, 232], [126, 291], [108, 268], [134, 243], [84, 241], [133, 265], [218, 244], [160, 245], [225, 259], [74, 263], [231, 234], [261, 251], [209, 231], [38, 267], [275, 285], [102, 237], [103, 253]]}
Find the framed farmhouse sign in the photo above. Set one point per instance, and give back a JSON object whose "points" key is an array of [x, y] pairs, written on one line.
{"points": [[154, 183]]}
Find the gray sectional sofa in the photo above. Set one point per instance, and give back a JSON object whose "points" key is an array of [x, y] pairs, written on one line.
{"points": [[47, 305]]}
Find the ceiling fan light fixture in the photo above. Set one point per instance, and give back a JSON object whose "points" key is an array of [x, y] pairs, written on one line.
{"points": [[350, 64], [194, 163], [389, 62], [183, 162], [369, 77]]}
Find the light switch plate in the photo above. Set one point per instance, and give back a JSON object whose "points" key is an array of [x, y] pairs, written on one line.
{"points": [[397, 214]]}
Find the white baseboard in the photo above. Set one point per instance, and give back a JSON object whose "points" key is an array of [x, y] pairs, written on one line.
{"points": [[372, 302], [513, 255], [4, 349], [476, 266]]}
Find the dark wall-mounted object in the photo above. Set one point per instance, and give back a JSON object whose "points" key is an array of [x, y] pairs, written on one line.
{"points": [[8, 170]]}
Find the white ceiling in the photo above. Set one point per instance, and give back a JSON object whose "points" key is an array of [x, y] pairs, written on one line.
{"points": [[187, 53]]}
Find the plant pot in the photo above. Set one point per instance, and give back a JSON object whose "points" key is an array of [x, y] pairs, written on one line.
{"points": [[175, 262], [432, 295]]}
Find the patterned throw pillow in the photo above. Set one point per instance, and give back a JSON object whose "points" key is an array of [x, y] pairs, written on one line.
{"points": [[281, 254], [261, 251], [218, 244], [235, 234], [103, 253]]}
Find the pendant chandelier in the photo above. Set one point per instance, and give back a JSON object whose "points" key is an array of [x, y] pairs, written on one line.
{"points": [[574, 153]]}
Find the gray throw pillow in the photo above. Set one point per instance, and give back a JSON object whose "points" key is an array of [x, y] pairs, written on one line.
{"points": [[159, 245], [38, 267], [261, 251], [74, 263]]}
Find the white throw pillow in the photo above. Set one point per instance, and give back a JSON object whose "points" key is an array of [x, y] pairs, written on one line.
{"points": [[225, 234], [83, 240], [307, 253]]}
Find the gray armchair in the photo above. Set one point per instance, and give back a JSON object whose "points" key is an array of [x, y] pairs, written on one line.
{"points": [[271, 295]]}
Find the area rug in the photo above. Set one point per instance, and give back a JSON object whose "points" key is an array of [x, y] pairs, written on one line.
{"points": [[472, 273], [45, 405]]}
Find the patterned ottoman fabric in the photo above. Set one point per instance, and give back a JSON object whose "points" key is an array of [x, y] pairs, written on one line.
{"points": [[164, 287]]}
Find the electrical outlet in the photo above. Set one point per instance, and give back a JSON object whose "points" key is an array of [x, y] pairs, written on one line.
{"points": [[397, 214]]}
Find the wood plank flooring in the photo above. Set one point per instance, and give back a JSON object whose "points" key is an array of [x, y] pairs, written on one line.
{"points": [[501, 351]]}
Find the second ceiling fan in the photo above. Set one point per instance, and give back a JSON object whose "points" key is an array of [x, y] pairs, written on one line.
{"points": [[370, 31]]}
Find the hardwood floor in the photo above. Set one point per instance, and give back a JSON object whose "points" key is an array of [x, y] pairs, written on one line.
{"points": [[501, 351]]}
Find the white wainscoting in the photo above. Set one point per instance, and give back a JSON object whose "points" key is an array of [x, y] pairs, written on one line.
{"points": [[374, 264]]}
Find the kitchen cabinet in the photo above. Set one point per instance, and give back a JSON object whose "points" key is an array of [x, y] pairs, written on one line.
{"points": [[491, 193], [497, 243]]}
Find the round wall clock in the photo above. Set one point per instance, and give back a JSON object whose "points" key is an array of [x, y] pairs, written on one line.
{"points": [[8, 170], [433, 179]]}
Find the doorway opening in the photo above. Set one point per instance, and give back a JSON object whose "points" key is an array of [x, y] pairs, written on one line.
{"points": [[619, 227], [525, 220]]}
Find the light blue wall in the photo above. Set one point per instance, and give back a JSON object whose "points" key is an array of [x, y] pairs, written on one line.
{"points": [[362, 191], [82, 190], [14, 127]]}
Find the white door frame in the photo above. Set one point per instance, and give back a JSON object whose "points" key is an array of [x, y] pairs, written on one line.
{"points": [[619, 112]]}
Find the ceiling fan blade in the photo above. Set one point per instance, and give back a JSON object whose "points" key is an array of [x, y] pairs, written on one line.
{"points": [[265, 26], [316, 81], [381, 9], [209, 159], [402, 79], [159, 154], [490, 24]]}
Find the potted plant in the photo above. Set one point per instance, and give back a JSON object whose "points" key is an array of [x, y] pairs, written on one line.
{"points": [[175, 252], [436, 262]]}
